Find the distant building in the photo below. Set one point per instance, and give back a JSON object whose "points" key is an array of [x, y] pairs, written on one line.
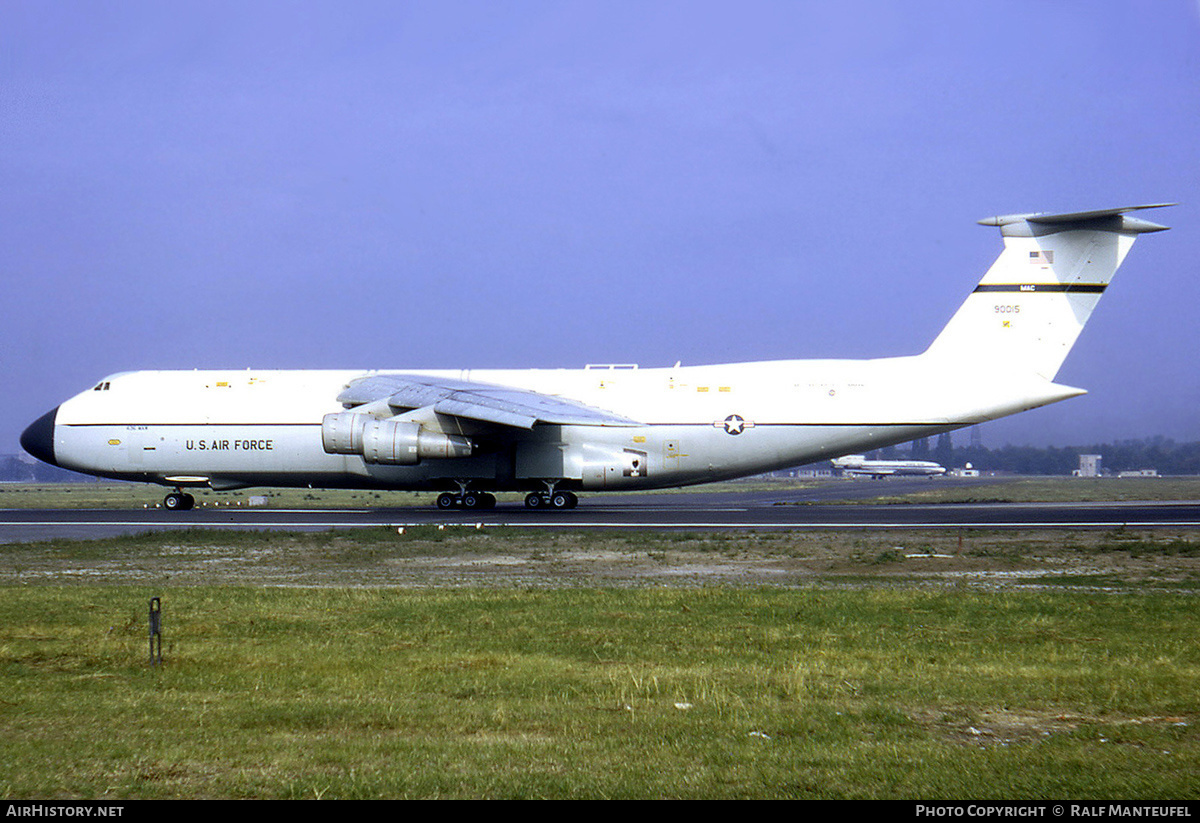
{"points": [[1139, 473], [804, 473], [1089, 466]]}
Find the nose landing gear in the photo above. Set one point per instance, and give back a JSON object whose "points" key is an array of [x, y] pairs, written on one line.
{"points": [[178, 501]]}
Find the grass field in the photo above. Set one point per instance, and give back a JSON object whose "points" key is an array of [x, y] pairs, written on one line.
{"points": [[113, 495], [109, 495], [1059, 490], [358, 665]]}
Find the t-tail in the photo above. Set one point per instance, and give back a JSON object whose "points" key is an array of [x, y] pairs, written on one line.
{"points": [[1030, 307]]}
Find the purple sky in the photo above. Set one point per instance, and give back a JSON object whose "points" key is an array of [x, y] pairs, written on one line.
{"points": [[443, 185]]}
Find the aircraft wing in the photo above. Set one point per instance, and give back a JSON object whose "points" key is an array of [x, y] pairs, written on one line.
{"points": [[501, 405]]}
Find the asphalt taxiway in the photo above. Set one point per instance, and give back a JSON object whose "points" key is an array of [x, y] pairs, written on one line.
{"points": [[819, 508]]}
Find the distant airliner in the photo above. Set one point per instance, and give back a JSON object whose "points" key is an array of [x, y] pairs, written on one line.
{"points": [[469, 433], [858, 465]]}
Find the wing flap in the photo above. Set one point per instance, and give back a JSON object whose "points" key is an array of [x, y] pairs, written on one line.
{"points": [[501, 405], [488, 414]]}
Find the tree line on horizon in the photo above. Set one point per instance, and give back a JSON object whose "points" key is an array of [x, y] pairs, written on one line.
{"points": [[1159, 453]]}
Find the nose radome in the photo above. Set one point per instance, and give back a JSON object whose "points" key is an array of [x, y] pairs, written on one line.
{"points": [[38, 439]]}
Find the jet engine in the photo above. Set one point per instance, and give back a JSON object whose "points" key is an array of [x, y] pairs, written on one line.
{"points": [[389, 442], [342, 433]]}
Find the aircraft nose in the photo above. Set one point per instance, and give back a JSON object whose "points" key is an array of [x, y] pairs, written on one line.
{"points": [[38, 439]]}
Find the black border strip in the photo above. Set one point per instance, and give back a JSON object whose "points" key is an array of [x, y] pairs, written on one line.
{"points": [[1059, 288]]}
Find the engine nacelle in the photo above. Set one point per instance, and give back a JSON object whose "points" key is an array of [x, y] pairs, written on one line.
{"points": [[342, 433], [388, 442]]}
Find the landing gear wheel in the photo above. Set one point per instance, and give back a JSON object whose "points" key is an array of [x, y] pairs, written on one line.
{"points": [[178, 502], [535, 500], [466, 500], [563, 500]]}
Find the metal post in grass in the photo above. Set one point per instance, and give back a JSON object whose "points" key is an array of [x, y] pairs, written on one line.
{"points": [[155, 631]]}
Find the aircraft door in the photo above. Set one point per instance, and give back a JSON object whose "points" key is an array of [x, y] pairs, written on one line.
{"points": [[672, 451], [126, 449]]}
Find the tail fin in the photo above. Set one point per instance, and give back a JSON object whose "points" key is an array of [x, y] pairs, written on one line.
{"points": [[1029, 308]]}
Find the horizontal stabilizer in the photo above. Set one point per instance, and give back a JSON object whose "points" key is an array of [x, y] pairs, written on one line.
{"points": [[1038, 223]]}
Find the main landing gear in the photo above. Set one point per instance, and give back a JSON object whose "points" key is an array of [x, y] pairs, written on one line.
{"points": [[178, 501], [551, 500], [466, 500]]}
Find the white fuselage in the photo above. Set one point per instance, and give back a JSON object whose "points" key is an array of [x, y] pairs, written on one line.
{"points": [[239, 428]]}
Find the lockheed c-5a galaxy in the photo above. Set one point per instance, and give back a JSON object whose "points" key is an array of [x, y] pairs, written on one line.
{"points": [[553, 433]]}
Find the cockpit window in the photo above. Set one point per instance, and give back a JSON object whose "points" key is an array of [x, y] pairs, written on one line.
{"points": [[102, 386]]}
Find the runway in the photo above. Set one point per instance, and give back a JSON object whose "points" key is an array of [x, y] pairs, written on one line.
{"points": [[800, 509]]}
